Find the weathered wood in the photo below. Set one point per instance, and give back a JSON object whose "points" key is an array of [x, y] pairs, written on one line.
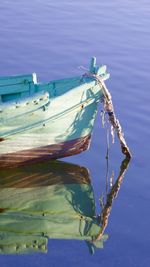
{"points": [[15, 87], [16, 79], [68, 114]]}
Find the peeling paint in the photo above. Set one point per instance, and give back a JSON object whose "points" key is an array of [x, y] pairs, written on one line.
{"points": [[55, 151]]}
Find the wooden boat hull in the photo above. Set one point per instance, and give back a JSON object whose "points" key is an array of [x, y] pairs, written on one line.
{"points": [[39, 120], [63, 129], [55, 151]]}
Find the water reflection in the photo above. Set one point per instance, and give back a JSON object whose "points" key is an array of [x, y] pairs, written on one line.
{"points": [[50, 200]]}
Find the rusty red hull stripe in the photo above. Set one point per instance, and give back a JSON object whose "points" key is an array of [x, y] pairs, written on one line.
{"points": [[55, 151]]}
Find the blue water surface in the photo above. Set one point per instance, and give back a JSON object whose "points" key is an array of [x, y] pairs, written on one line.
{"points": [[53, 38]]}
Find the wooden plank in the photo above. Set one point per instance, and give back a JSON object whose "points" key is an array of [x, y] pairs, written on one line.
{"points": [[13, 89], [17, 79]]}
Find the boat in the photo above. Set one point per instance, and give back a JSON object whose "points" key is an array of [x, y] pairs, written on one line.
{"points": [[45, 201], [53, 119]]}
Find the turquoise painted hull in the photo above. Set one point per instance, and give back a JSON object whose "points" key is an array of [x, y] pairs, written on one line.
{"points": [[53, 119]]}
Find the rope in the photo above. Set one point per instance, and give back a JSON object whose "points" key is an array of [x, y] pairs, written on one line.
{"points": [[109, 109], [108, 106]]}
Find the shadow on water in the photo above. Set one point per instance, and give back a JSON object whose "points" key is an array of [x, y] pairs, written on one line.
{"points": [[51, 199]]}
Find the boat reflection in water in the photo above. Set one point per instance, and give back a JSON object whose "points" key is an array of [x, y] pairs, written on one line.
{"points": [[50, 200]]}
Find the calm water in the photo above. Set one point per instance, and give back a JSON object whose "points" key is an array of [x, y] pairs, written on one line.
{"points": [[53, 38]]}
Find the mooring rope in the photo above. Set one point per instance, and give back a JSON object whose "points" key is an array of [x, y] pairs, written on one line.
{"points": [[109, 109]]}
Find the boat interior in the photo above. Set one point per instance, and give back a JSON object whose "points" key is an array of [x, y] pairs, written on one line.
{"points": [[15, 88]]}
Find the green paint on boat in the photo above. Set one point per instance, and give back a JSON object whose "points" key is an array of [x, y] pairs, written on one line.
{"points": [[32, 114]]}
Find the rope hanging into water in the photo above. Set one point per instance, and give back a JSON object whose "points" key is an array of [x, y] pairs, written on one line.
{"points": [[109, 109]]}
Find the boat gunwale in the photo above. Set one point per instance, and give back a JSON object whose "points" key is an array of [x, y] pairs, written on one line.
{"points": [[82, 105]]}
